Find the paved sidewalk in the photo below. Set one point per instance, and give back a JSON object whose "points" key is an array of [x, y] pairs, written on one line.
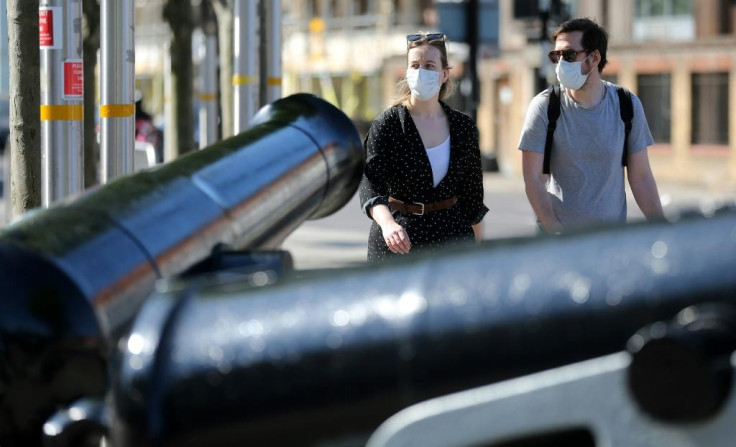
{"points": [[340, 240]]}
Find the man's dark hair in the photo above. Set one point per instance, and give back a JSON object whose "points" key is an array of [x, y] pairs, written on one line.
{"points": [[594, 37]]}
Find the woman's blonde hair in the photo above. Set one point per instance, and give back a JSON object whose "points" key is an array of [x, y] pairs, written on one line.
{"points": [[403, 92]]}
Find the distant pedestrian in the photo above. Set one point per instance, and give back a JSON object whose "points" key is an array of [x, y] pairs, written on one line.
{"points": [[423, 184], [582, 182], [145, 130]]}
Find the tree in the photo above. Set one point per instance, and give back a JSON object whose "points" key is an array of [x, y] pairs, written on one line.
{"points": [[224, 12], [180, 17], [90, 45], [25, 103]]}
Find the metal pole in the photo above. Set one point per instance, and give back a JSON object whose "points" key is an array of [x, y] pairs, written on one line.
{"points": [[244, 76], [472, 16], [544, 13], [4, 141], [62, 96], [274, 50], [4, 56], [208, 90], [117, 86], [170, 128], [5, 199], [264, 41]]}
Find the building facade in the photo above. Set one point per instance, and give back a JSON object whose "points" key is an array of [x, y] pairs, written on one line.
{"points": [[350, 52], [678, 56]]}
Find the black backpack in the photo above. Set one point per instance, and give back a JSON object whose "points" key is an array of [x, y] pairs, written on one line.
{"points": [[553, 112]]}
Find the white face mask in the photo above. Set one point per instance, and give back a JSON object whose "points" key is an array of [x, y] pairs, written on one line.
{"points": [[570, 74], [424, 84]]}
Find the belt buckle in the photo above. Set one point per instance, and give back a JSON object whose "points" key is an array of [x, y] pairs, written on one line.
{"points": [[421, 213]]}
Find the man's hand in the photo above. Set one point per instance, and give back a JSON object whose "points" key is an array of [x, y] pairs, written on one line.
{"points": [[478, 232], [536, 191]]}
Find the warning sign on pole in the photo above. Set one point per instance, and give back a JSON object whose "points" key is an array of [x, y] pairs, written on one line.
{"points": [[49, 27], [73, 79]]}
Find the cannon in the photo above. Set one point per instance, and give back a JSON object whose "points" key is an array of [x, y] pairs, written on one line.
{"points": [[73, 277], [618, 336], [426, 349]]}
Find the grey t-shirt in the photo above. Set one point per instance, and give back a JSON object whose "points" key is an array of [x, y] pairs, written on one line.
{"points": [[587, 180]]}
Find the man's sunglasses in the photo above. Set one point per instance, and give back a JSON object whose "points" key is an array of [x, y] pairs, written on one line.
{"points": [[431, 37], [566, 55]]}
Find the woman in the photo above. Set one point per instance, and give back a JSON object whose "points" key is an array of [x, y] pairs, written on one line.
{"points": [[422, 185]]}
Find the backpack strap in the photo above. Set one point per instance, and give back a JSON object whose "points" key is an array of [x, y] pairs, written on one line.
{"points": [[553, 112], [627, 114]]}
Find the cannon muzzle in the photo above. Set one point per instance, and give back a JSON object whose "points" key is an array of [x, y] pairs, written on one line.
{"points": [[72, 277]]}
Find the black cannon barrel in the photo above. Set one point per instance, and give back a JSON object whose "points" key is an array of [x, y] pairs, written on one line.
{"points": [[73, 276], [323, 361]]}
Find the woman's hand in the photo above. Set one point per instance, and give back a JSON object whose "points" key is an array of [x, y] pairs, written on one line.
{"points": [[394, 234], [396, 237]]}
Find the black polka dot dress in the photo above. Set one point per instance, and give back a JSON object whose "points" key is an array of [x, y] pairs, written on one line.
{"points": [[397, 165]]}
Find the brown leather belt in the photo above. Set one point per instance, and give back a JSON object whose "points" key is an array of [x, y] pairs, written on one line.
{"points": [[418, 208]]}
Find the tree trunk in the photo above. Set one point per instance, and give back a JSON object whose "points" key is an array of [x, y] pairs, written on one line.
{"points": [[25, 103], [91, 14], [178, 14], [224, 10]]}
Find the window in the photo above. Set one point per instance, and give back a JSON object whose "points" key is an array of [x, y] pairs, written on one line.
{"points": [[362, 7], [664, 20], [365, 14], [335, 8], [658, 8], [396, 12], [710, 108], [313, 8], [654, 93], [682, 7]]}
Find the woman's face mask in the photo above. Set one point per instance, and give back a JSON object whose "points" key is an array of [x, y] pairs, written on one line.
{"points": [[424, 84], [570, 74]]}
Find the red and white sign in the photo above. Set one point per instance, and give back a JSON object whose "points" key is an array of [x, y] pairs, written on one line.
{"points": [[49, 27], [73, 79]]}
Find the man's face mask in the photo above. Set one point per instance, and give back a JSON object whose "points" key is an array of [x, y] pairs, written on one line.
{"points": [[424, 84], [570, 73]]}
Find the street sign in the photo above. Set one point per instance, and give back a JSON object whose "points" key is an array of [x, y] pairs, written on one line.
{"points": [[49, 27], [453, 24], [73, 79]]}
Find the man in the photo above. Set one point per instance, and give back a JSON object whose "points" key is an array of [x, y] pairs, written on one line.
{"points": [[586, 182]]}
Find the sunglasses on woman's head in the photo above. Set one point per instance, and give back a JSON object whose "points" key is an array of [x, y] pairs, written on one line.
{"points": [[566, 55], [431, 37]]}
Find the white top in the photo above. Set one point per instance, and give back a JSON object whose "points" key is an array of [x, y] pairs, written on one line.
{"points": [[439, 158]]}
